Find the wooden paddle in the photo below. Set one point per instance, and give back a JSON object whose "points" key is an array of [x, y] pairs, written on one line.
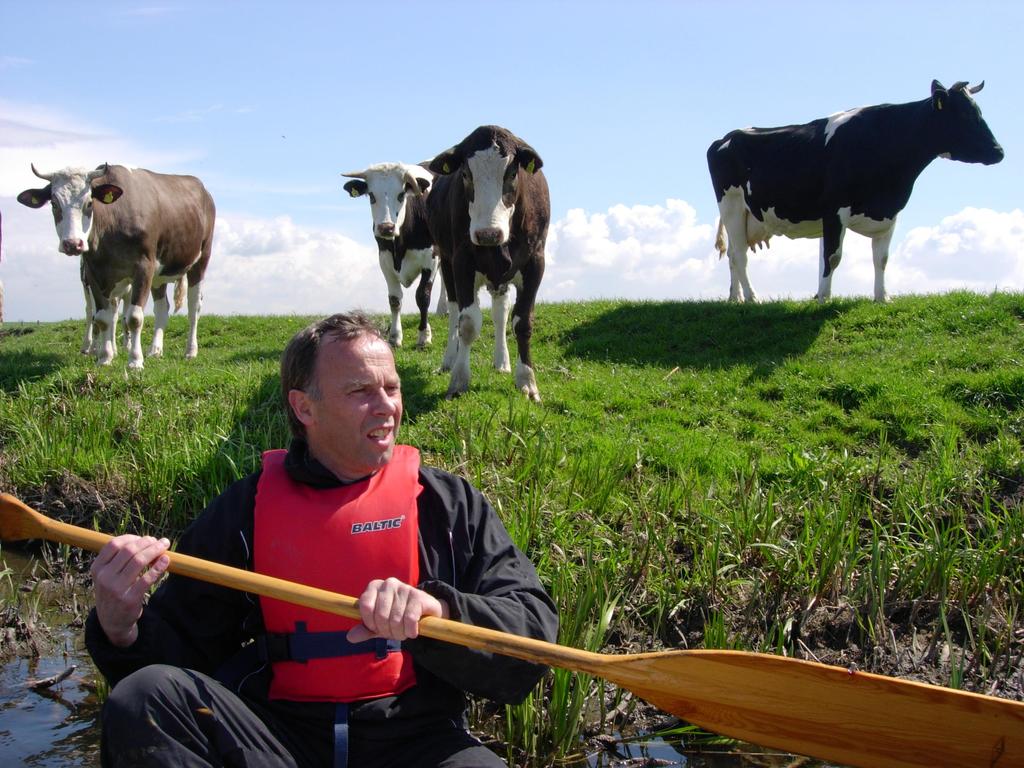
{"points": [[831, 713]]}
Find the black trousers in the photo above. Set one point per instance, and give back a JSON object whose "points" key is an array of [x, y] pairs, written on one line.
{"points": [[167, 716]]}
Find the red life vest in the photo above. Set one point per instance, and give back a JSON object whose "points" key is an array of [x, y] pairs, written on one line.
{"points": [[337, 539]]}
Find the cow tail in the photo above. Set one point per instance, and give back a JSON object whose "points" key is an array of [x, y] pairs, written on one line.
{"points": [[180, 288], [721, 239]]}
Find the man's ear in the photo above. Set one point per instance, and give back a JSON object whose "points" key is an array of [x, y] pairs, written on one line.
{"points": [[300, 402], [35, 198], [356, 188], [106, 193]]}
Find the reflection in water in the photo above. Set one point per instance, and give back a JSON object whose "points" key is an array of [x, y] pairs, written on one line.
{"points": [[51, 726]]}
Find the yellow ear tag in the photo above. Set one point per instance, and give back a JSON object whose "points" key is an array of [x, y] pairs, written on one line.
{"points": [[108, 197], [353, 192], [35, 200], [531, 166], [939, 104], [445, 168]]}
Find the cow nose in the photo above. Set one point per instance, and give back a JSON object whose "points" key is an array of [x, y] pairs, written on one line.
{"points": [[72, 246], [488, 236], [386, 230]]}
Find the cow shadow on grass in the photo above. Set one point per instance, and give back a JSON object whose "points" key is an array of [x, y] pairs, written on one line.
{"points": [[701, 335], [24, 364]]}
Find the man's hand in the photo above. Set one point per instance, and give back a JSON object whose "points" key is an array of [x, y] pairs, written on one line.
{"points": [[392, 609], [122, 574]]}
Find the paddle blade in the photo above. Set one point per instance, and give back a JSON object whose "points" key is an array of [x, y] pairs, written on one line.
{"points": [[853, 718], [18, 521]]}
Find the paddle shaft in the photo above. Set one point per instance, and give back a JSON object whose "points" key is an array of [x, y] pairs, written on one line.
{"points": [[856, 718], [480, 638]]}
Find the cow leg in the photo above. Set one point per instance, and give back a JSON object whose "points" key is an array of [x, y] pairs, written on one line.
{"points": [[423, 302], [880, 256], [104, 322], [467, 325], [161, 311], [442, 300], [522, 326], [195, 305], [452, 347], [470, 320], [733, 211], [500, 308], [831, 253], [142, 284], [87, 347], [394, 282]]}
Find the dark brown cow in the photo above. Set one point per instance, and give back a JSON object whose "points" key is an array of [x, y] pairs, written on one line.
{"points": [[489, 213], [148, 230]]}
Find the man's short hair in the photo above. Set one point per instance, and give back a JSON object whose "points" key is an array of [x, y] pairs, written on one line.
{"points": [[298, 363]]}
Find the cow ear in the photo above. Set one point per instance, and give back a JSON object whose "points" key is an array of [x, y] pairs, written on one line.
{"points": [[106, 193], [356, 188], [528, 158], [35, 198], [423, 184], [445, 163], [939, 95]]}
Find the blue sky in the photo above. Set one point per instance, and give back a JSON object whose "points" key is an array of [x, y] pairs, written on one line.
{"points": [[268, 103]]}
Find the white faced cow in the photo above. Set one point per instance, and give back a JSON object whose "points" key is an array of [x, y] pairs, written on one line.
{"points": [[489, 213], [397, 195], [134, 230], [854, 170]]}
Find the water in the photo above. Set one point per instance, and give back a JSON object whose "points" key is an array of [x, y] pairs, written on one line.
{"points": [[52, 726]]}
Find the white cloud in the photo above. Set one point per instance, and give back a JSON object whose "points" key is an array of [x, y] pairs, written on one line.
{"points": [[276, 267], [663, 252], [53, 140], [644, 251]]}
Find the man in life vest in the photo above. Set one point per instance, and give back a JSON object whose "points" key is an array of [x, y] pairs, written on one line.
{"points": [[206, 676]]}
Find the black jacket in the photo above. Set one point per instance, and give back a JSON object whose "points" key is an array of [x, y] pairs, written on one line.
{"points": [[466, 559]]}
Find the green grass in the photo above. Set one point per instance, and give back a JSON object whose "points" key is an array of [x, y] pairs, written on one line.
{"points": [[779, 477]]}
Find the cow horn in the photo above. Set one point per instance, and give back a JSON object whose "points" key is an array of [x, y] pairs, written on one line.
{"points": [[959, 85], [977, 88], [410, 179], [43, 176], [100, 171], [355, 175]]}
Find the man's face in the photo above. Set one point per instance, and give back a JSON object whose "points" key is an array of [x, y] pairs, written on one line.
{"points": [[353, 425]]}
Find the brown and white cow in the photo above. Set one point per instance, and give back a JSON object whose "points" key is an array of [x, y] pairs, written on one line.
{"points": [[134, 230], [397, 193], [489, 213]]}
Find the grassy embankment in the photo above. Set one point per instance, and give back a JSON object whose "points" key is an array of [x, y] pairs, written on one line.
{"points": [[840, 482]]}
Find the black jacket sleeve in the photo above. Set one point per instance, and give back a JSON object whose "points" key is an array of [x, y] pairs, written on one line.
{"points": [[190, 623], [473, 565]]}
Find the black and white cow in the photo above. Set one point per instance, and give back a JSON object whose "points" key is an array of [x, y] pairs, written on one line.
{"points": [[854, 170], [489, 213], [134, 230], [397, 195]]}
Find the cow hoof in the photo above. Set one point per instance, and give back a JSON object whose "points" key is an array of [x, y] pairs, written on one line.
{"points": [[451, 394], [423, 344], [135, 365], [531, 394], [156, 352]]}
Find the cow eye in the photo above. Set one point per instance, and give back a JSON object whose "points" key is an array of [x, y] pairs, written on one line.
{"points": [[373, 198], [401, 196]]}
